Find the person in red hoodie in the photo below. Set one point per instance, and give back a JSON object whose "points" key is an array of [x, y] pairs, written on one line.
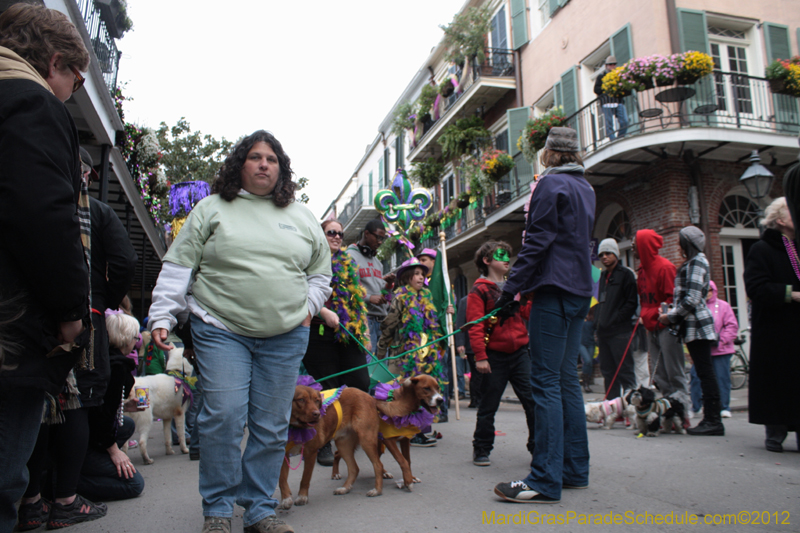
{"points": [[501, 349], [656, 282]]}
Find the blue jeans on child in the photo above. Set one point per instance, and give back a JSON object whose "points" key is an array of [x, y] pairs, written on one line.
{"points": [[561, 452], [248, 380], [722, 368]]}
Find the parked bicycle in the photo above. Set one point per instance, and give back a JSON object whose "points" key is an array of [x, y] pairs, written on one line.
{"points": [[740, 365]]}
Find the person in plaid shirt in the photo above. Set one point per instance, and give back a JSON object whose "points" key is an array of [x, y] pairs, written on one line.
{"points": [[695, 324]]}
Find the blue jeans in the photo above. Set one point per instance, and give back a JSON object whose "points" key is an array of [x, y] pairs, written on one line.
{"points": [[561, 452], [587, 359], [461, 368], [622, 118], [191, 415], [722, 368], [374, 334], [245, 380], [20, 418]]}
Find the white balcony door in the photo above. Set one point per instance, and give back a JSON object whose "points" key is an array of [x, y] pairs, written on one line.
{"points": [[734, 93]]}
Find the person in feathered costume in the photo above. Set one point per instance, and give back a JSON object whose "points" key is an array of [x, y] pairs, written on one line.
{"points": [[412, 322], [331, 345]]}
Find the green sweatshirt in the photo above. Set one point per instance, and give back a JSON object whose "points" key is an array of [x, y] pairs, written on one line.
{"points": [[251, 260]]}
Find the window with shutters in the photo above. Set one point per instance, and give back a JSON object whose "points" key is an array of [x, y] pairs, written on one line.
{"points": [[729, 43], [547, 9]]}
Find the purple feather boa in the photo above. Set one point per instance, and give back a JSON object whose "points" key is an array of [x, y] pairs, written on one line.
{"points": [[420, 418], [303, 435]]}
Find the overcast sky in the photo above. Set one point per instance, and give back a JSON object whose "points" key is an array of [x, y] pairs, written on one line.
{"points": [[320, 75]]}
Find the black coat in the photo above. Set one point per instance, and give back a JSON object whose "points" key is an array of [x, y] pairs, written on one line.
{"points": [[113, 268], [774, 346], [42, 266], [618, 299]]}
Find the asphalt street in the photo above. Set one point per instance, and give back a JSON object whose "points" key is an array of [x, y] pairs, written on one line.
{"points": [[670, 477]]}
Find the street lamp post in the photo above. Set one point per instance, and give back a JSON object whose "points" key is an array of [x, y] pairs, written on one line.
{"points": [[757, 179]]}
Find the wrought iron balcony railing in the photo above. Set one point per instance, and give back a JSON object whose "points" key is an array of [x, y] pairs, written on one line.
{"points": [[719, 100], [499, 62], [104, 46], [353, 205]]}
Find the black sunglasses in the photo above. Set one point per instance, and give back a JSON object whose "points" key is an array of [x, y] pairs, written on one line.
{"points": [[334, 233], [380, 238]]}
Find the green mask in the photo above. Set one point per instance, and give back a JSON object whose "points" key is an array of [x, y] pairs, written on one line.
{"points": [[501, 255]]}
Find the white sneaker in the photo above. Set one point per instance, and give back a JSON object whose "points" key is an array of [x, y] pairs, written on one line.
{"points": [[691, 414], [725, 414]]}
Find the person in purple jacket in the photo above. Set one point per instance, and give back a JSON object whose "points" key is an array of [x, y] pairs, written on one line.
{"points": [[727, 328], [555, 265]]}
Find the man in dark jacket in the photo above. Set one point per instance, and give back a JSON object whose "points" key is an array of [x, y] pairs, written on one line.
{"points": [[463, 347], [617, 302], [113, 268], [43, 270], [611, 105]]}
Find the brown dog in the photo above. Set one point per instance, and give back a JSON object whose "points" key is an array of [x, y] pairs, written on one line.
{"points": [[419, 391], [358, 425]]}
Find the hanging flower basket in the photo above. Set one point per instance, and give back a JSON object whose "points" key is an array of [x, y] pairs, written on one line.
{"points": [[784, 76], [496, 163], [463, 201], [535, 133]]}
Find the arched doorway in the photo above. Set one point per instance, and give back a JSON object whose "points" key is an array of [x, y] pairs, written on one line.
{"points": [[738, 218], [614, 223]]}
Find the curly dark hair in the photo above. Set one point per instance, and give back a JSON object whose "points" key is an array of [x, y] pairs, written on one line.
{"points": [[229, 177]]}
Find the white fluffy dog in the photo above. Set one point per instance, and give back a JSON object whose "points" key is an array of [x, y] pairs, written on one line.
{"points": [[608, 411], [167, 402]]}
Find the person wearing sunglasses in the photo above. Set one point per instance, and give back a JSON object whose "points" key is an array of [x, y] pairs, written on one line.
{"points": [[40, 189], [340, 329], [370, 273]]}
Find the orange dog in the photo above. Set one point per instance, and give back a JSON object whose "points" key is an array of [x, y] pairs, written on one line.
{"points": [[421, 391], [350, 423]]}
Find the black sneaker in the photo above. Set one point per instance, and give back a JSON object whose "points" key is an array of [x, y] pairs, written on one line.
{"points": [[423, 441], [480, 458], [519, 492], [80, 510], [325, 455], [32, 515], [194, 455]]}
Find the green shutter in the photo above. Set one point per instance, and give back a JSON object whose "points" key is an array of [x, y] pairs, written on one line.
{"points": [[798, 39], [519, 23], [622, 45], [381, 177], [557, 99], [776, 38], [622, 48], [693, 30], [569, 91], [517, 118], [554, 5], [371, 195]]}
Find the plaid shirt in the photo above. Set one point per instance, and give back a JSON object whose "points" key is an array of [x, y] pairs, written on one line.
{"points": [[691, 288]]}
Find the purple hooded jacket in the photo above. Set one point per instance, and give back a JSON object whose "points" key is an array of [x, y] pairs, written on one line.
{"points": [[725, 323]]}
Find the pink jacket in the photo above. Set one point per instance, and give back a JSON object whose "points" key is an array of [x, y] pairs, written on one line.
{"points": [[725, 323]]}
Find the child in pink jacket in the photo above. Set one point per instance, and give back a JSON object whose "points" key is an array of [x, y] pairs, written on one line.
{"points": [[727, 329]]}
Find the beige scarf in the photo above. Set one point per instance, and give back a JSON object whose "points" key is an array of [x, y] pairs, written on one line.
{"points": [[13, 67]]}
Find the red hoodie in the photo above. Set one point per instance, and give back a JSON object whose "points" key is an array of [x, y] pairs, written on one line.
{"points": [[656, 277], [509, 337]]}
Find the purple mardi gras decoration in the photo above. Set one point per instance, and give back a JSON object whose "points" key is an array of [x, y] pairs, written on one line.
{"points": [[420, 418], [308, 381], [184, 196]]}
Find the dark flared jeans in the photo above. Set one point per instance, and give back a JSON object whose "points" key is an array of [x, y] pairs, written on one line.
{"points": [[99, 481], [612, 349], [700, 351], [514, 368]]}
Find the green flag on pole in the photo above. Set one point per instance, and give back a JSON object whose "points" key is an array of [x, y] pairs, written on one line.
{"points": [[439, 286]]}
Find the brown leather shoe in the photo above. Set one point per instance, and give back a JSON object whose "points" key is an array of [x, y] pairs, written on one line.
{"points": [[270, 524]]}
